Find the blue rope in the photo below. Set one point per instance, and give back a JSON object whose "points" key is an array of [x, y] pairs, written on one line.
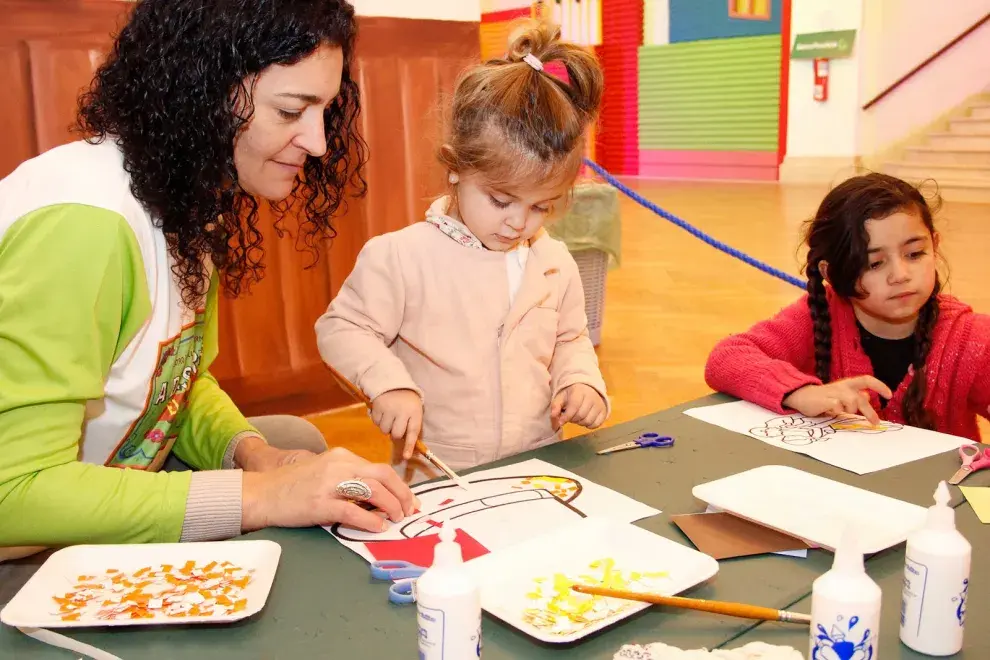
{"points": [[694, 231]]}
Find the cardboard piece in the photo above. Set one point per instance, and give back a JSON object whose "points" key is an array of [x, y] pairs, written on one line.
{"points": [[723, 536]]}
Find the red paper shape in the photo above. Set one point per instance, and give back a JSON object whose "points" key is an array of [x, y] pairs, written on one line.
{"points": [[446, 502], [419, 549]]}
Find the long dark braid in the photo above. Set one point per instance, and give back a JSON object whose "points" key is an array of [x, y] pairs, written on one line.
{"points": [[822, 322], [915, 413]]}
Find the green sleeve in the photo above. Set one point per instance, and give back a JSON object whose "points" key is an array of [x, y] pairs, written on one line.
{"points": [[73, 294], [210, 420]]}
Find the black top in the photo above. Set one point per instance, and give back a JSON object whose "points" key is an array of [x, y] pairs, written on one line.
{"points": [[890, 357]]}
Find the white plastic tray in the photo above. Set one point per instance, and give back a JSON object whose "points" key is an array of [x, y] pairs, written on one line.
{"points": [[33, 605], [813, 508], [507, 576]]}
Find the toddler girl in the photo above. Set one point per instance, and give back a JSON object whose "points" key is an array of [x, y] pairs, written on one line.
{"points": [[469, 328]]}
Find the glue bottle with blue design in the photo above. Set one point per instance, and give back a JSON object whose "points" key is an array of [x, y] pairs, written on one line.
{"points": [[845, 608], [936, 582]]}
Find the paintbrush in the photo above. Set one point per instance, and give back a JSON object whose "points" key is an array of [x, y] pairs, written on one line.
{"points": [[740, 610], [352, 389]]}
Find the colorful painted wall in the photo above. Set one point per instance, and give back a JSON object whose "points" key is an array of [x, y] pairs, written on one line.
{"points": [[580, 22], [710, 88]]}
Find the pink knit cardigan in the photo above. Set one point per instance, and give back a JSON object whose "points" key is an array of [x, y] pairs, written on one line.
{"points": [[776, 357]]}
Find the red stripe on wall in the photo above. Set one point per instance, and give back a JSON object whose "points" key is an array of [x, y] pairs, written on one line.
{"points": [[785, 78], [617, 140], [506, 15]]}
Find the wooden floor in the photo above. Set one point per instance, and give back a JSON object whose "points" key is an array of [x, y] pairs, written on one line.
{"points": [[674, 297]]}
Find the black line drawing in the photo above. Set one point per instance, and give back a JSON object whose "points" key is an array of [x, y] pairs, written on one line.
{"points": [[800, 430], [558, 492]]}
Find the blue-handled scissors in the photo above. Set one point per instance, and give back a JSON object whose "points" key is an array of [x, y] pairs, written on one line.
{"points": [[645, 440], [404, 575]]}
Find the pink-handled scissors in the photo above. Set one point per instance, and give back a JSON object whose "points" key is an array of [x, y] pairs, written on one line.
{"points": [[974, 457]]}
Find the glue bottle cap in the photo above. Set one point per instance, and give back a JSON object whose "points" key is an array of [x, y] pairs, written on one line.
{"points": [[941, 516], [848, 556], [448, 551]]}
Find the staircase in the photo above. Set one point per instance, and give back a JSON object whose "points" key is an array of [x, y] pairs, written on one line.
{"points": [[957, 157]]}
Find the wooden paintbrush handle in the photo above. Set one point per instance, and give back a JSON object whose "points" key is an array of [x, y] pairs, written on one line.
{"points": [[421, 447], [740, 610]]}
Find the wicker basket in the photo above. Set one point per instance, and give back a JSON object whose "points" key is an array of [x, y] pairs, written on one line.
{"points": [[593, 267]]}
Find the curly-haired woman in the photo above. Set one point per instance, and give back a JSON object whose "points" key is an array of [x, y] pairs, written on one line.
{"points": [[112, 252]]}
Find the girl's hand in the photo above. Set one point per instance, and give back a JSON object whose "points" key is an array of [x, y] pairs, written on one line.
{"points": [[843, 396], [399, 413], [579, 404], [303, 493]]}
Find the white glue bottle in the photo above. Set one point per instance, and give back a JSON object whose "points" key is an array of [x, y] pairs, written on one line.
{"points": [[845, 607], [448, 605], [936, 581]]}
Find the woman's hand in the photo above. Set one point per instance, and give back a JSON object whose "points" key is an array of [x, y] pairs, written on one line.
{"points": [[253, 454], [843, 396], [399, 413], [303, 494], [579, 404]]}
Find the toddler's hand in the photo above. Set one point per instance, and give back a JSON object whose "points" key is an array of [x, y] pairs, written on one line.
{"points": [[578, 404], [399, 413], [843, 396]]}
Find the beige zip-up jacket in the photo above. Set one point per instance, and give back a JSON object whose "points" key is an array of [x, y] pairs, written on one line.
{"points": [[421, 311]]}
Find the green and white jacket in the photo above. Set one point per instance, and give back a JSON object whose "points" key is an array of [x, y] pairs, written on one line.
{"points": [[103, 370]]}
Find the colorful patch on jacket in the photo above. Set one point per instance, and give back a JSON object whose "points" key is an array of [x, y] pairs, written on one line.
{"points": [[150, 438]]}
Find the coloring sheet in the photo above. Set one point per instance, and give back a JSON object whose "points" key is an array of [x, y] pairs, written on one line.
{"points": [[846, 441], [501, 507]]}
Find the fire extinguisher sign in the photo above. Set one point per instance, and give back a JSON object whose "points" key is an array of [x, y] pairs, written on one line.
{"points": [[820, 47]]}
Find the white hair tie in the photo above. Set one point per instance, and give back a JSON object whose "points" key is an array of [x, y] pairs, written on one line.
{"points": [[533, 61]]}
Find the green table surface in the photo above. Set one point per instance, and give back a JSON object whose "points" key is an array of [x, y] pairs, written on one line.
{"points": [[324, 604]]}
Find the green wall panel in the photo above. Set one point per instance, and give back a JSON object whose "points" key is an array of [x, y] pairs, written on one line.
{"points": [[717, 94]]}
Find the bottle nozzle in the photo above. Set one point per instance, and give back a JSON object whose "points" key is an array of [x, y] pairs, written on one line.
{"points": [[941, 515], [448, 551], [848, 556], [942, 496]]}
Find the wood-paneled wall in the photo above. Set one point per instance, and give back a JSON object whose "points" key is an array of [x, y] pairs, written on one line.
{"points": [[268, 359]]}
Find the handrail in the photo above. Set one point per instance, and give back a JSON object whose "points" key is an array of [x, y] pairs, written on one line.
{"points": [[972, 28]]}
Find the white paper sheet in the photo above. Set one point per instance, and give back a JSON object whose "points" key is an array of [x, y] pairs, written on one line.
{"points": [[847, 442], [502, 506]]}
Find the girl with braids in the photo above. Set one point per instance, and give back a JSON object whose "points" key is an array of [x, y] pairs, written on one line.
{"points": [[112, 252], [476, 313], [874, 336]]}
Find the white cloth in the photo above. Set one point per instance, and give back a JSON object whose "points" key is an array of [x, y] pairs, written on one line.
{"points": [[515, 266], [165, 352], [752, 651]]}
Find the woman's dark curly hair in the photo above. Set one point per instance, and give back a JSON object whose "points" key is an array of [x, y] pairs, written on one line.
{"points": [[838, 235], [166, 94]]}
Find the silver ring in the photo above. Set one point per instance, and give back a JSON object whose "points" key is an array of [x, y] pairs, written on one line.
{"points": [[355, 490]]}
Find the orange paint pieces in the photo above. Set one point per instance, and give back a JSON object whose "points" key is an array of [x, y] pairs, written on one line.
{"points": [[214, 589]]}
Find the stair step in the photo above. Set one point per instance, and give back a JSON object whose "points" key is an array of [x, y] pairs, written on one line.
{"points": [[939, 172], [980, 112], [953, 190], [954, 141], [934, 156], [970, 126], [964, 192]]}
